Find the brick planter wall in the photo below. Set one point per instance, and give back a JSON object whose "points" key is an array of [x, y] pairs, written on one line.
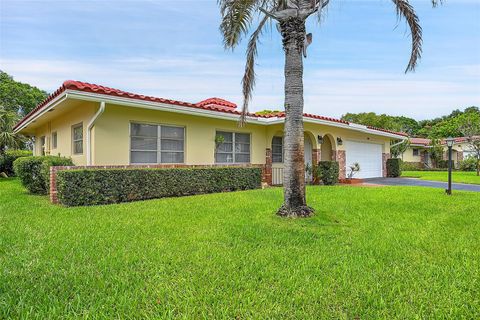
{"points": [[54, 170]]}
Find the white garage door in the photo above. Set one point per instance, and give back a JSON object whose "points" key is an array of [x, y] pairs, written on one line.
{"points": [[368, 155]]}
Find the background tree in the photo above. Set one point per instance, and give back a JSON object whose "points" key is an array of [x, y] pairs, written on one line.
{"points": [[469, 125], [399, 149], [238, 18], [436, 152], [8, 139], [19, 97], [394, 123]]}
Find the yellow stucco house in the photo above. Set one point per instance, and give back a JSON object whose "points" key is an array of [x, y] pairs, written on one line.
{"points": [[97, 125]]}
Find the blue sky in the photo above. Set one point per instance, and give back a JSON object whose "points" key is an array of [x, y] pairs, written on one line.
{"points": [[173, 49]]}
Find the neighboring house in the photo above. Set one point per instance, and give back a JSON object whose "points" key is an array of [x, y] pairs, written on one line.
{"points": [[418, 152], [97, 125]]}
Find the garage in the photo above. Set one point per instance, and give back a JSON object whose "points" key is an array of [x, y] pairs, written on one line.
{"points": [[368, 155]]}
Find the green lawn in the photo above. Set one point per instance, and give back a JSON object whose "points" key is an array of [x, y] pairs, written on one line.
{"points": [[457, 176], [391, 252]]}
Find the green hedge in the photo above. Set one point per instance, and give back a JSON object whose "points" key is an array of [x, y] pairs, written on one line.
{"points": [[104, 186], [328, 171], [394, 169], [34, 172], [7, 159], [469, 164], [411, 166]]}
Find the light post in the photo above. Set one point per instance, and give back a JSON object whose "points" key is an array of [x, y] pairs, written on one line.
{"points": [[449, 142]]}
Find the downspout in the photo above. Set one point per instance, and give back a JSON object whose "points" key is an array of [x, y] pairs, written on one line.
{"points": [[89, 132], [398, 143]]}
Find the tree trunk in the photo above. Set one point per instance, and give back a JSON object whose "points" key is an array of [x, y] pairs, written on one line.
{"points": [[293, 33]]}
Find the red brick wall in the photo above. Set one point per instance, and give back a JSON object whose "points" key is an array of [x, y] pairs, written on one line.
{"points": [[385, 157], [315, 160], [53, 171], [340, 157], [267, 171]]}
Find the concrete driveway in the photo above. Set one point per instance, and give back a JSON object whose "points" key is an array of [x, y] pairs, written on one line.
{"points": [[421, 183]]}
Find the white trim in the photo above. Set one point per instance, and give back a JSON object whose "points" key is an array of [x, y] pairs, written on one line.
{"points": [[52, 104], [89, 129], [159, 106]]}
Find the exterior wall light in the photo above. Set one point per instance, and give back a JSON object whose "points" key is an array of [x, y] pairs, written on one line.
{"points": [[339, 141], [320, 139]]}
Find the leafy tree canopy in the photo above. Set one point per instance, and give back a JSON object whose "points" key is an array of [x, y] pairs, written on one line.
{"points": [[435, 128], [19, 97]]}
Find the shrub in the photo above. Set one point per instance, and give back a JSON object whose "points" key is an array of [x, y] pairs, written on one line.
{"points": [[104, 186], [328, 171], [411, 166], [394, 169], [6, 160], [469, 164], [34, 172]]}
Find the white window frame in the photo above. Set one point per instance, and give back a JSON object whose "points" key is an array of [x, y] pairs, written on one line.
{"points": [[233, 147], [75, 126], [282, 154], [54, 140], [159, 143]]}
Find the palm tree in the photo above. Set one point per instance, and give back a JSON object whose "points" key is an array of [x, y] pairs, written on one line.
{"points": [[8, 139], [238, 19]]}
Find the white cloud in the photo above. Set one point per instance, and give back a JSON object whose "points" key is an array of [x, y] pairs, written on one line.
{"points": [[330, 92]]}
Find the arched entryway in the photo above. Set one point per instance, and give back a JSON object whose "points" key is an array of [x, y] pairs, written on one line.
{"points": [[327, 148]]}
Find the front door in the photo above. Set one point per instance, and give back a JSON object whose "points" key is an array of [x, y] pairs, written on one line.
{"points": [[308, 159]]}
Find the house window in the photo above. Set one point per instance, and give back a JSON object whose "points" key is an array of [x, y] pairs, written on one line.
{"points": [[277, 149], [235, 148], [415, 152], [77, 139], [54, 140], [43, 145], [156, 144]]}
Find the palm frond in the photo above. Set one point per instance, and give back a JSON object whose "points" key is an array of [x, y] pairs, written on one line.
{"points": [[248, 81], [322, 8], [436, 2], [405, 10], [237, 16]]}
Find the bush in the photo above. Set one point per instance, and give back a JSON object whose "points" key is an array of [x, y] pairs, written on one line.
{"points": [[104, 186], [443, 164], [328, 171], [394, 169], [469, 164], [411, 166], [34, 172], [6, 160]]}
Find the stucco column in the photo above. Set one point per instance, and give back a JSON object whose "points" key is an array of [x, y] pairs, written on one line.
{"points": [[385, 157], [340, 157], [267, 171]]}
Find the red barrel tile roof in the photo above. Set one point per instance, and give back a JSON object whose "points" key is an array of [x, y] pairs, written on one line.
{"points": [[213, 104]]}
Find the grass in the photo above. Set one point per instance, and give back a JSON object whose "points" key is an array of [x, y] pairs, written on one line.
{"points": [[390, 253], [457, 176]]}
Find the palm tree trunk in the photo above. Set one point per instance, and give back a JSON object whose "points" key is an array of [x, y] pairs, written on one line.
{"points": [[293, 32]]}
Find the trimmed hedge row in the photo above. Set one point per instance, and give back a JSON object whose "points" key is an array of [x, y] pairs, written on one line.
{"points": [[34, 172], [328, 172], [104, 186], [7, 159], [394, 169]]}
